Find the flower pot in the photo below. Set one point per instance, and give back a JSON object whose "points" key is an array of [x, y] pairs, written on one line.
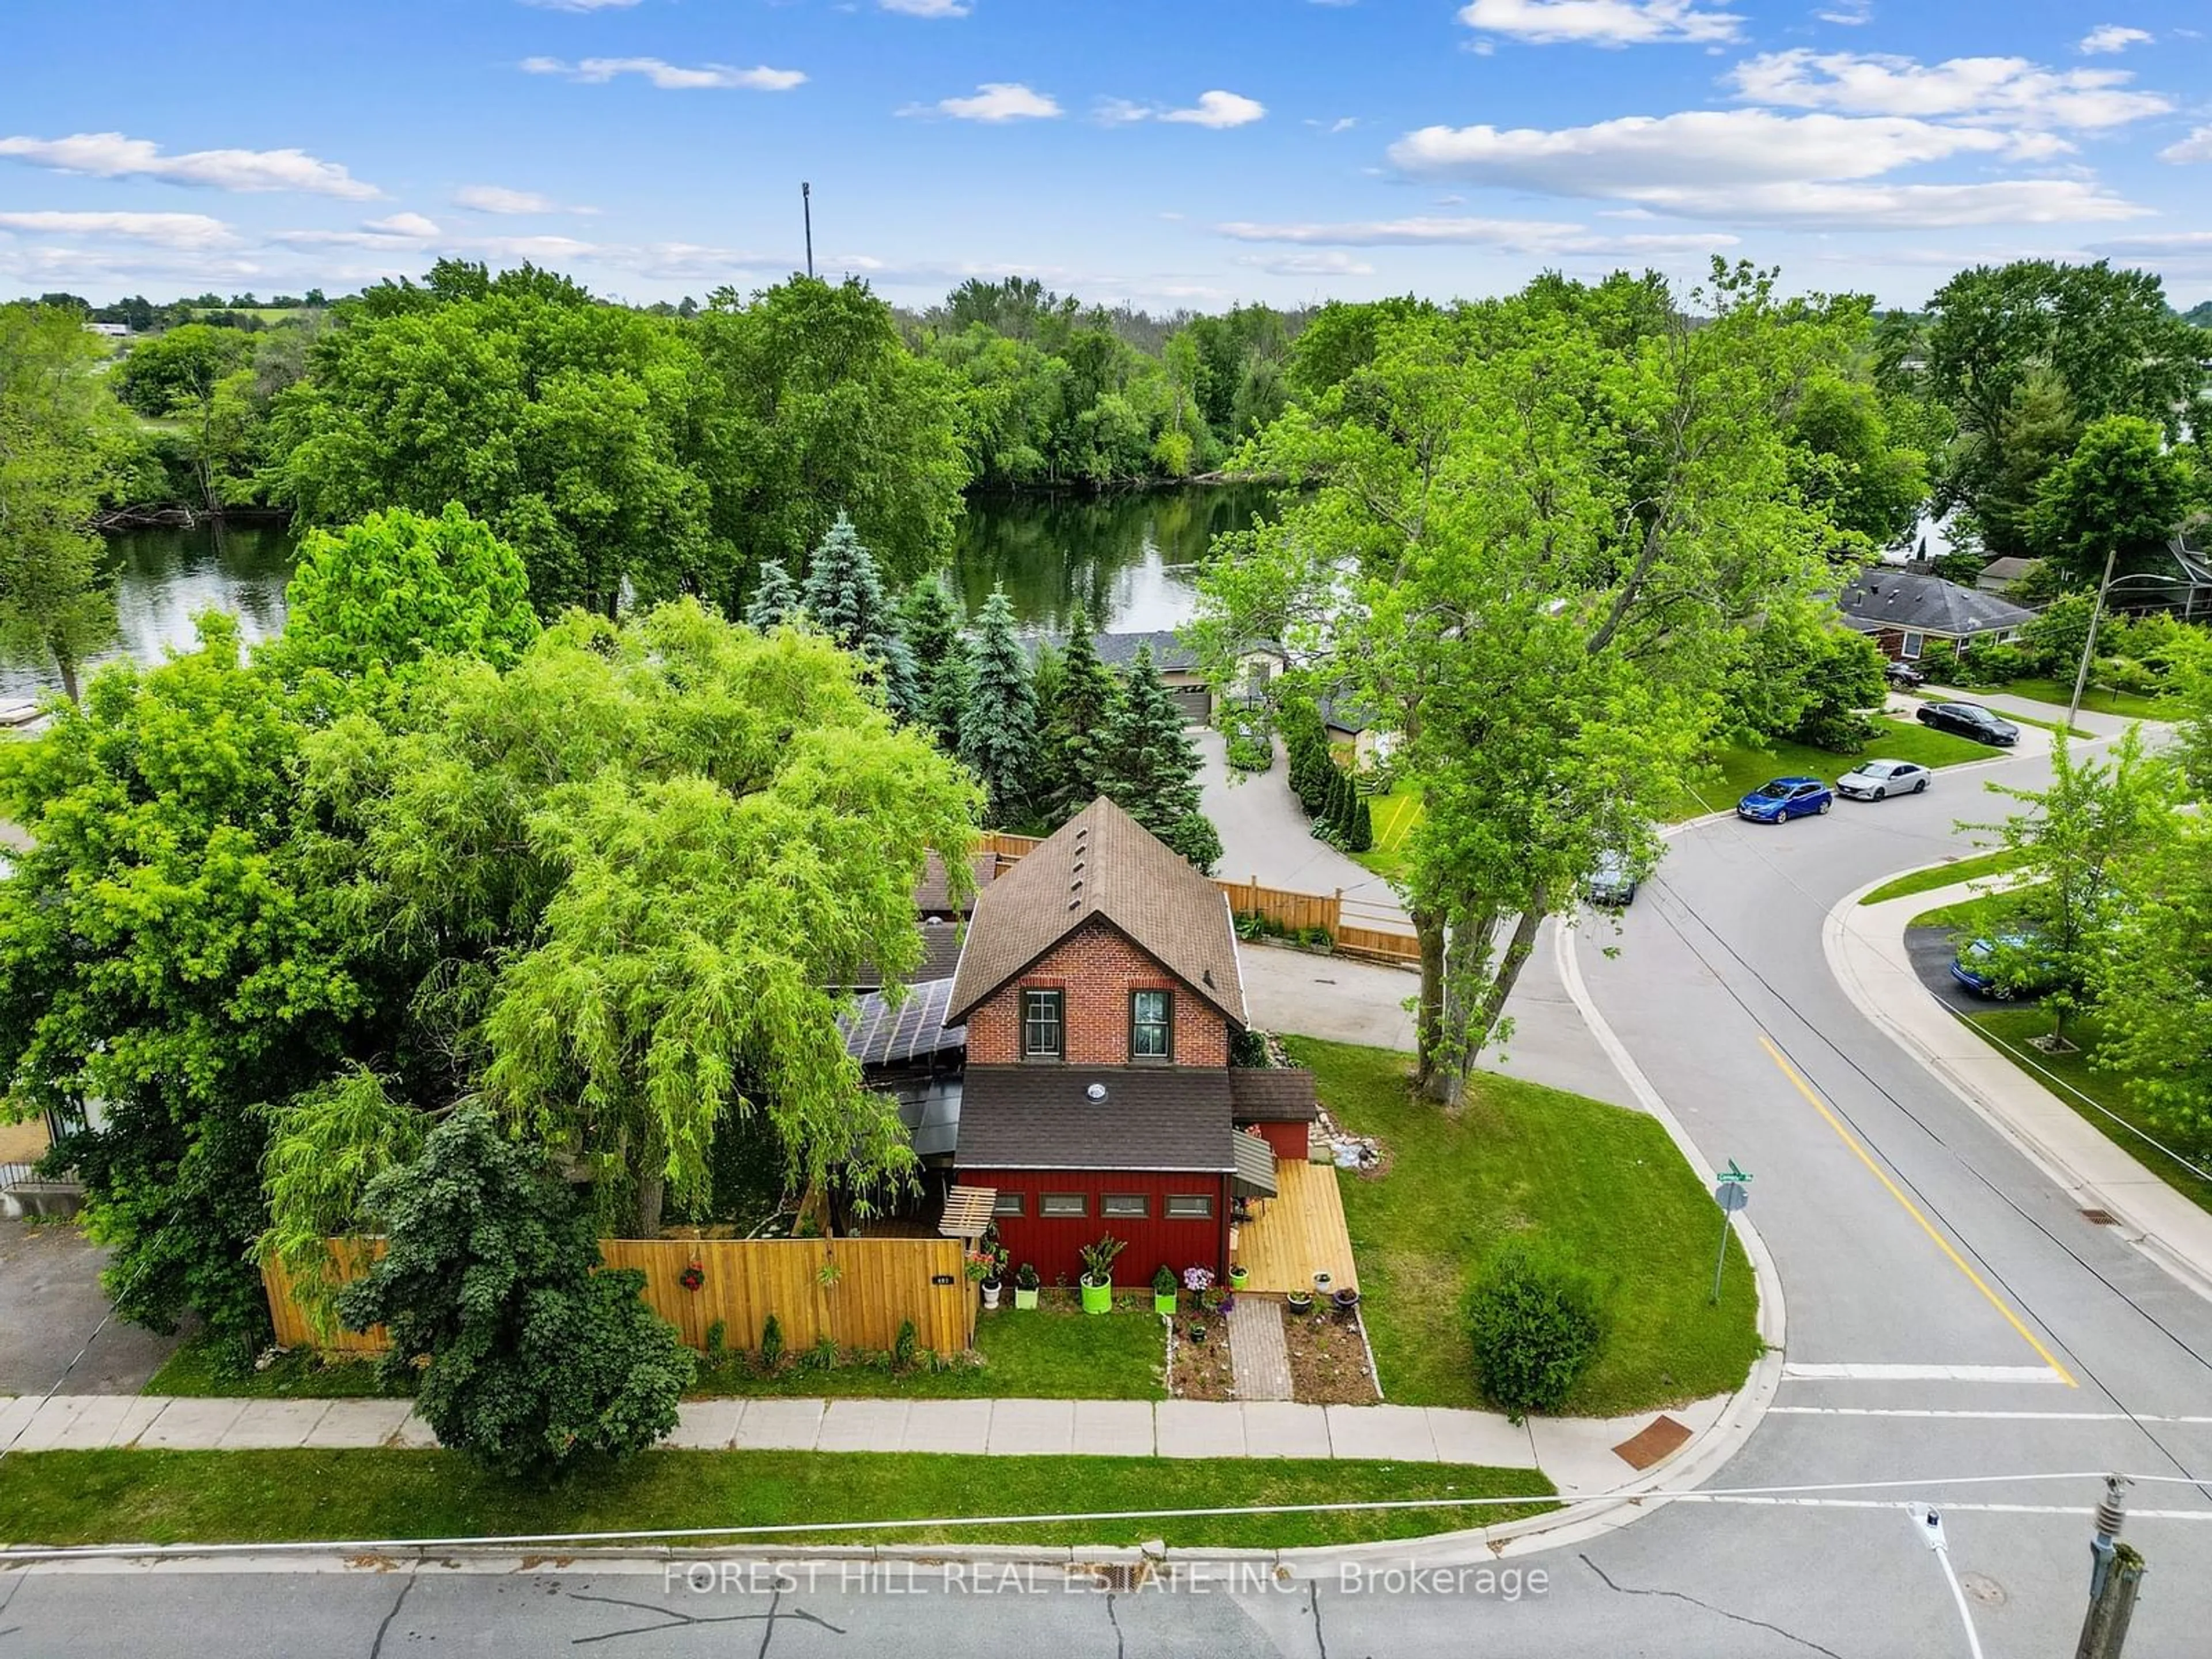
{"points": [[1165, 1304], [1025, 1298], [1236, 1277], [1300, 1304], [1198, 1336], [1097, 1299], [991, 1289], [1321, 1282], [1346, 1299]]}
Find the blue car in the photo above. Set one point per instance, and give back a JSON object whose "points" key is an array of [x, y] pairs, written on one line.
{"points": [[1785, 798], [1975, 967]]}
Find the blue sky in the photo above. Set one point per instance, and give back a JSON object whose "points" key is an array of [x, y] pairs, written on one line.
{"points": [[1170, 155]]}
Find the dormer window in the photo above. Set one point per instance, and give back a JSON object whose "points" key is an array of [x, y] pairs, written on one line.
{"points": [[1042, 1027], [1152, 1024]]}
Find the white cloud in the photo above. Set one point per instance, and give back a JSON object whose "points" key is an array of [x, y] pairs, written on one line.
{"points": [[2197, 147], [927, 7], [2112, 37], [113, 155], [497, 199], [1851, 14], [995, 100], [669, 77], [183, 231], [1602, 22], [2013, 91], [398, 233], [1306, 264], [1218, 110], [405, 224], [1541, 238]]}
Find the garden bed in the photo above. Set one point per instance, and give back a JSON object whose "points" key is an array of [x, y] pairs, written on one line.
{"points": [[1329, 1364], [1203, 1371]]}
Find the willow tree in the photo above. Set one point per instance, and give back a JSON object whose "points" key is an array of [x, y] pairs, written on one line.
{"points": [[1532, 535], [627, 874]]}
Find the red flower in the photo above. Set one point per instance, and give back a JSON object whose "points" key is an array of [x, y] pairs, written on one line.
{"points": [[693, 1276]]}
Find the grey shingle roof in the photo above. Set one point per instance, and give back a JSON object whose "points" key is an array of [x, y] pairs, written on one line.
{"points": [[1888, 597], [1042, 1117], [940, 955], [1102, 865], [1279, 1094], [1170, 654]]}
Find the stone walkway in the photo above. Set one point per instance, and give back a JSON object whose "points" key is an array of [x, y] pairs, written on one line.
{"points": [[1577, 1453], [1258, 1357]]}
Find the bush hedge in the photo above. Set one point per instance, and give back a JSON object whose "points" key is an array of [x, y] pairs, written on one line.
{"points": [[1536, 1322]]}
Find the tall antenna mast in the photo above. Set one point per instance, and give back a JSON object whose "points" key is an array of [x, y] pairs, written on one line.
{"points": [[806, 204]]}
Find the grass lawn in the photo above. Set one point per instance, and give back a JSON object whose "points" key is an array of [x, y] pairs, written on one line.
{"points": [[1961, 694], [1980, 867], [1054, 1352], [2128, 705], [2072, 1076], [1395, 816], [1603, 1183], [1735, 771], [198, 1367], [266, 1497]]}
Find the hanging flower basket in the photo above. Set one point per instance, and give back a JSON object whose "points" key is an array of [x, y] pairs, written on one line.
{"points": [[694, 1275]]}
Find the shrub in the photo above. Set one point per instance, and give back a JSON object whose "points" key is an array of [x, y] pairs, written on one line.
{"points": [[1939, 660], [1844, 731], [717, 1340], [904, 1346], [823, 1356], [1536, 1323], [771, 1347], [1993, 665]]}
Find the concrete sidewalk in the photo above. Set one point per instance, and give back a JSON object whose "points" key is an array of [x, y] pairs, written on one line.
{"points": [[1866, 950], [1577, 1453]]}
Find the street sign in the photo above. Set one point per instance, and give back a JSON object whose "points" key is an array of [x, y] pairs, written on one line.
{"points": [[1732, 1196]]}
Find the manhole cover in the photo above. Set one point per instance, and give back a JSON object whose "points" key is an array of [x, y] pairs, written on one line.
{"points": [[1982, 1587], [2102, 1218]]}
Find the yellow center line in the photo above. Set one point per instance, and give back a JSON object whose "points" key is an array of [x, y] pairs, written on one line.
{"points": [[1913, 1210]]}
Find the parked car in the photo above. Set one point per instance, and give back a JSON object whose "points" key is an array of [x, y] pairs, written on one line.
{"points": [[1878, 780], [1975, 968], [1785, 798], [1610, 883], [1904, 676], [1970, 720]]}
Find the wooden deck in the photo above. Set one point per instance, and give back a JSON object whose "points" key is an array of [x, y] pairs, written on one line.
{"points": [[1297, 1235]]}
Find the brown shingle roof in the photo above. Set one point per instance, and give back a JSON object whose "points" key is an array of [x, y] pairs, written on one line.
{"points": [[1043, 1117], [1102, 863], [934, 896], [1279, 1094]]}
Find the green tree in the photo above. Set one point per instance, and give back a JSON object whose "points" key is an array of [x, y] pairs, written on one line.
{"points": [[525, 1353], [824, 410], [999, 727], [1079, 725], [931, 623], [2052, 925], [1151, 767], [398, 586], [1533, 536], [775, 597], [61, 445], [182, 365], [844, 595], [2113, 505], [2154, 985], [1865, 480]]}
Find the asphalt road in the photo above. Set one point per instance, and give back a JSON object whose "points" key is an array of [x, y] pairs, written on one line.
{"points": [[1908, 1234]]}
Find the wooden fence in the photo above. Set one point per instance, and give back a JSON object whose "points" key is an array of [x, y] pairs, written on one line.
{"points": [[856, 1291], [1382, 944]]}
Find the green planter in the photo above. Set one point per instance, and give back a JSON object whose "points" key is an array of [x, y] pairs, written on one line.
{"points": [[1097, 1299], [1025, 1298], [1165, 1304], [1236, 1277]]}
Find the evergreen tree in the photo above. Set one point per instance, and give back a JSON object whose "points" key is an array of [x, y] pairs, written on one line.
{"points": [[1151, 766], [776, 599], [845, 596], [998, 726], [1077, 724], [930, 619]]}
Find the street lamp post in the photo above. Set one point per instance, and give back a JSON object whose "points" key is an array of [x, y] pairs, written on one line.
{"points": [[2097, 615]]}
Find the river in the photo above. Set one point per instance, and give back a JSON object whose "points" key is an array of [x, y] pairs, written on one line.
{"points": [[1131, 559]]}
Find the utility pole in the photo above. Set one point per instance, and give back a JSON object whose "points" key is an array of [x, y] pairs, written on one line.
{"points": [[806, 206], [2116, 1572], [2089, 645]]}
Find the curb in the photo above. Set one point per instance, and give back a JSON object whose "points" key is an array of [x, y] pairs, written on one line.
{"points": [[1845, 930]]}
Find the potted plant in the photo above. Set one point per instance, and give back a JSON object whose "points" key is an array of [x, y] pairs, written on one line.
{"points": [[1025, 1286], [1236, 1277], [1321, 1282], [1197, 1335], [1164, 1290], [1098, 1273], [1300, 1304], [1346, 1299], [694, 1275]]}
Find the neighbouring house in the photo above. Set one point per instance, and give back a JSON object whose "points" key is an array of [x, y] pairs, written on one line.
{"points": [[109, 331], [1351, 724], [933, 898], [1099, 992], [1904, 610], [1999, 575], [1180, 672]]}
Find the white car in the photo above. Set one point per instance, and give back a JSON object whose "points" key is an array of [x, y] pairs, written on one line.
{"points": [[1876, 780]]}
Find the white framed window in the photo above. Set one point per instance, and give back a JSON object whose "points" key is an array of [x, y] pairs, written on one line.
{"points": [[1064, 1206], [1043, 1025], [1134, 1205], [1914, 643], [1190, 1206], [1152, 1024], [1010, 1204]]}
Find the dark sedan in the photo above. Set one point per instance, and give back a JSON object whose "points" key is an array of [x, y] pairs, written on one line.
{"points": [[1904, 676], [1970, 720]]}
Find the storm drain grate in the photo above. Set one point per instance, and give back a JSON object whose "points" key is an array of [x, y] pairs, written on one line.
{"points": [[2102, 1218]]}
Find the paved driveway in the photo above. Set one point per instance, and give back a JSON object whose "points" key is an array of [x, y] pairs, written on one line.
{"points": [[1267, 837], [50, 1302]]}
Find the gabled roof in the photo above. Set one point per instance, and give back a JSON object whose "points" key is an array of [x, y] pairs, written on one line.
{"points": [[1170, 654], [1888, 597], [1272, 1094], [1045, 1117], [1102, 866], [932, 895]]}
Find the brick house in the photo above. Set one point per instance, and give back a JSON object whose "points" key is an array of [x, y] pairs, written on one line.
{"points": [[1101, 992]]}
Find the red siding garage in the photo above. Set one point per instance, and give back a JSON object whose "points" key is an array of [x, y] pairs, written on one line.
{"points": [[1052, 1241]]}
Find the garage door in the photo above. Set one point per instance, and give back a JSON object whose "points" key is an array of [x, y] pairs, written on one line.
{"points": [[1196, 702]]}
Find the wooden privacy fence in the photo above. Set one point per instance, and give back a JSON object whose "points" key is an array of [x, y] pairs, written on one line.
{"points": [[1382, 943], [856, 1291]]}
